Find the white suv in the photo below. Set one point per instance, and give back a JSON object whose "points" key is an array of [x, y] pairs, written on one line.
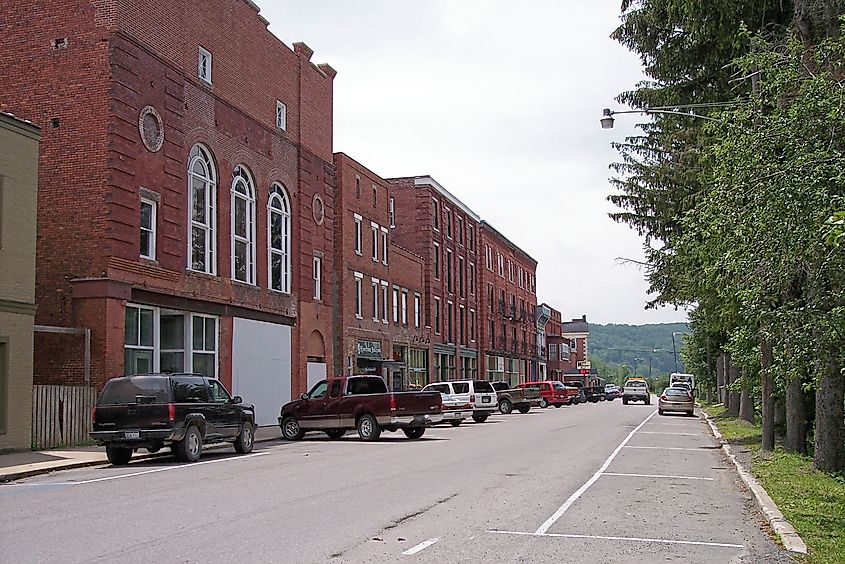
{"points": [[479, 393]]}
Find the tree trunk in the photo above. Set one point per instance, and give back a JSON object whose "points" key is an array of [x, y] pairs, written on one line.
{"points": [[708, 384], [720, 379], [733, 396], [768, 395], [829, 453], [746, 398], [796, 417]]}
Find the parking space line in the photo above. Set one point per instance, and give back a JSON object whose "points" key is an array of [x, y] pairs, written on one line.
{"points": [[578, 493], [657, 476], [422, 546], [702, 449], [668, 433], [631, 539]]}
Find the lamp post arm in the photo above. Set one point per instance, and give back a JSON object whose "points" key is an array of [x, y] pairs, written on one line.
{"points": [[662, 111]]}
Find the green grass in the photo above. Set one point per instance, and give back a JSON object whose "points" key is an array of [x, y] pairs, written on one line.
{"points": [[813, 502]]}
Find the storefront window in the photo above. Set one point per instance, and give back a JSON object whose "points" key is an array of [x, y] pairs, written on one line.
{"points": [[511, 374], [417, 368], [495, 368], [469, 368], [138, 340]]}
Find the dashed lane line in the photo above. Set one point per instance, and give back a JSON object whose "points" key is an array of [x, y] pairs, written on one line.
{"points": [[657, 476], [626, 539], [422, 546]]}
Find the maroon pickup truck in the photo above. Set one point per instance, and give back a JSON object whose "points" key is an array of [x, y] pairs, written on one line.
{"points": [[338, 405]]}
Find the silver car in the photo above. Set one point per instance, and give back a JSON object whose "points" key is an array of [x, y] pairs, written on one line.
{"points": [[676, 399]]}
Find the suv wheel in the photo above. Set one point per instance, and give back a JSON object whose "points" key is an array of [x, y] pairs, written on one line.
{"points": [[118, 455], [414, 432], [335, 433], [291, 429], [523, 408], [480, 417], [245, 439], [544, 403], [368, 428], [189, 449], [505, 406], [456, 422]]}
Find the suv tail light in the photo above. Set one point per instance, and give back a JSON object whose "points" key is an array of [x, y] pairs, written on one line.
{"points": [[472, 398], [94, 414], [171, 412], [393, 402]]}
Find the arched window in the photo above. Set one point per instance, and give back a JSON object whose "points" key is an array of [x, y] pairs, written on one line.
{"points": [[202, 199], [278, 237], [243, 225]]}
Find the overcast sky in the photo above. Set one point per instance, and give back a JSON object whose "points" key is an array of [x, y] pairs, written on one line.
{"points": [[499, 101]]}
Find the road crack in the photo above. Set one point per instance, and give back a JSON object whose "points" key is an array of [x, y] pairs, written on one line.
{"points": [[415, 514]]}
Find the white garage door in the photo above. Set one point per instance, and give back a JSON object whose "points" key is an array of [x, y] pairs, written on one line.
{"points": [[261, 366]]}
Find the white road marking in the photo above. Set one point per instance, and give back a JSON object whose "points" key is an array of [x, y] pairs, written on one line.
{"points": [[667, 433], [634, 539], [700, 449], [657, 476], [422, 546], [153, 471], [566, 504]]}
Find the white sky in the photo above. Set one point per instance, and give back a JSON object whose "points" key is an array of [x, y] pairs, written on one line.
{"points": [[500, 103]]}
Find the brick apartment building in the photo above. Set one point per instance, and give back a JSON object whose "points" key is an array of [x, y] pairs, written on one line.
{"points": [[577, 331], [186, 197], [434, 224], [559, 354], [380, 325], [508, 304]]}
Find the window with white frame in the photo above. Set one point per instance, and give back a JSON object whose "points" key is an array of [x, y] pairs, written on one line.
{"points": [[488, 252], [435, 215], [317, 275], [384, 245], [202, 190], [138, 340], [375, 230], [416, 310], [436, 315], [358, 281], [204, 65], [278, 237], [436, 261], [385, 302], [395, 305], [501, 261], [404, 307], [281, 115], [510, 271], [391, 208], [204, 345], [375, 284], [148, 229], [358, 219], [243, 225]]}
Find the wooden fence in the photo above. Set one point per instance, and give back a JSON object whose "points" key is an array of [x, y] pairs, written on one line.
{"points": [[61, 415]]}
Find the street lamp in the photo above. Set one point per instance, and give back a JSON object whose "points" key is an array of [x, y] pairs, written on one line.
{"points": [[607, 114], [636, 359]]}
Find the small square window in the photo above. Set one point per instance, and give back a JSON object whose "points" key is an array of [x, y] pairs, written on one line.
{"points": [[281, 115], [204, 65]]}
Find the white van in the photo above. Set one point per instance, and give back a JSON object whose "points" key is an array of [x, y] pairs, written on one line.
{"points": [[479, 393], [681, 378]]}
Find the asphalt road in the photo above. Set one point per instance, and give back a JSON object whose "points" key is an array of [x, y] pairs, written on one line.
{"points": [[588, 483]]}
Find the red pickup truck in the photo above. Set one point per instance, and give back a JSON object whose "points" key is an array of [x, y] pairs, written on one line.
{"points": [[338, 405]]}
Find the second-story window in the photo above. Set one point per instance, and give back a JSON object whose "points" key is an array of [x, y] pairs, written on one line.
{"points": [[404, 307], [375, 284], [384, 245], [148, 229], [385, 303], [318, 278], [471, 279], [416, 310], [461, 277], [202, 190], [375, 231], [395, 305], [436, 315], [436, 261], [243, 226], [278, 237], [449, 270], [357, 233], [204, 65], [281, 115], [358, 281]]}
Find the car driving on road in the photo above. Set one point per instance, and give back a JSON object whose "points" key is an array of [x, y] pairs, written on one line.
{"points": [[636, 389]]}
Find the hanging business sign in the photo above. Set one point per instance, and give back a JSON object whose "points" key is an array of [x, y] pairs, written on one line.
{"points": [[583, 365], [369, 349]]}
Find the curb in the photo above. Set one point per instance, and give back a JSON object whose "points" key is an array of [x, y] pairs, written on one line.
{"points": [[790, 538], [12, 476]]}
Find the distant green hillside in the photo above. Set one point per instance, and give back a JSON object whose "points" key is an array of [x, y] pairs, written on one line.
{"points": [[618, 350]]}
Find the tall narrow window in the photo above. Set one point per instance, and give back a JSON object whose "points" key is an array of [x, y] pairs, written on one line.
{"points": [[436, 315], [471, 238], [391, 208], [384, 245], [202, 190], [375, 284], [357, 233], [281, 115], [450, 322], [447, 222], [395, 305], [243, 226], [489, 256], [357, 187], [459, 229], [404, 307], [138, 340], [318, 278], [375, 230], [461, 277], [449, 270], [358, 280], [204, 345], [435, 215], [375, 196], [148, 229], [385, 303], [472, 325], [204, 65], [416, 310], [436, 261], [278, 237], [471, 279]]}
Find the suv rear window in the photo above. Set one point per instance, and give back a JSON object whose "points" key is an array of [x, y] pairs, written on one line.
{"points": [[135, 389], [359, 386], [482, 386], [461, 387]]}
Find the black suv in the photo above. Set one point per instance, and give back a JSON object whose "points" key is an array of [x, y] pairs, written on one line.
{"points": [[180, 410]]}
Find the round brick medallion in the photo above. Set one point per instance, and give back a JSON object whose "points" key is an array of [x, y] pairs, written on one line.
{"points": [[151, 129], [318, 210]]}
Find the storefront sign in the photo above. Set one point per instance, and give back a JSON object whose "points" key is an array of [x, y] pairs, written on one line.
{"points": [[369, 349], [416, 339]]}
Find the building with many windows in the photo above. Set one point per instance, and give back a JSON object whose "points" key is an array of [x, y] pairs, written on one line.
{"points": [[508, 304], [432, 223], [186, 199]]}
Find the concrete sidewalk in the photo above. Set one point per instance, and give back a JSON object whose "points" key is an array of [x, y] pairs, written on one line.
{"points": [[16, 465]]}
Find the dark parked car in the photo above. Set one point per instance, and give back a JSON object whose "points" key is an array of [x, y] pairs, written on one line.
{"points": [[182, 411]]}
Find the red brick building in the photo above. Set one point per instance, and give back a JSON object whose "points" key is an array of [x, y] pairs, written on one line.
{"points": [[577, 331], [508, 306], [431, 222], [186, 195], [379, 316]]}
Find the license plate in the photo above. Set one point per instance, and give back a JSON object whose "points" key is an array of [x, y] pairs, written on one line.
{"points": [[485, 399], [132, 435]]}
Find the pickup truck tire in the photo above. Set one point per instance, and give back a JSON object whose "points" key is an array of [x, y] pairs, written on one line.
{"points": [[505, 406], [456, 422], [414, 433], [118, 455], [189, 449], [523, 408], [544, 403], [558, 405], [480, 417], [648, 400], [245, 439], [291, 430], [368, 428], [624, 401], [335, 433]]}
